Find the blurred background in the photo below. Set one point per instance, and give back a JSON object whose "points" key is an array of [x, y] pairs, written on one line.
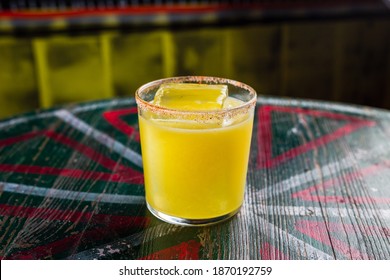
{"points": [[59, 52]]}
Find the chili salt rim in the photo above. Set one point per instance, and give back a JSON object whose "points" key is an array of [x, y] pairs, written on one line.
{"points": [[199, 114]]}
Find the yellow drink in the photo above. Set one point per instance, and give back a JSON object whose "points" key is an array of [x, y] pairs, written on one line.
{"points": [[195, 160], [195, 173]]}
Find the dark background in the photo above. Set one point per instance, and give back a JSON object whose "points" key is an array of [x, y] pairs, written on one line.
{"points": [[58, 52]]}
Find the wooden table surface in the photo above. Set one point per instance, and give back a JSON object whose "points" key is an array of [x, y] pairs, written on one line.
{"points": [[71, 187]]}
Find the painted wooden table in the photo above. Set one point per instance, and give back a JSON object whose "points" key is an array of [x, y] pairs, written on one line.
{"points": [[318, 187]]}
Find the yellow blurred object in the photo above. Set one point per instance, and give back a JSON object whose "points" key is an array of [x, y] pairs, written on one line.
{"points": [[345, 60], [18, 88], [72, 69], [138, 58]]}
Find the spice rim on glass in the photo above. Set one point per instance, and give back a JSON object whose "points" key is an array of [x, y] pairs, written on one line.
{"points": [[195, 160]]}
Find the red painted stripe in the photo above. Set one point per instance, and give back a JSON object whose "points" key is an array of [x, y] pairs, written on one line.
{"points": [[120, 173], [74, 173], [176, 9], [264, 133], [269, 252], [68, 244], [91, 153], [264, 137], [19, 138], [184, 251], [350, 200], [109, 223], [74, 216], [309, 194], [64, 140], [117, 11], [315, 113], [46, 214], [113, 117], [342, 131], [318, 231]]}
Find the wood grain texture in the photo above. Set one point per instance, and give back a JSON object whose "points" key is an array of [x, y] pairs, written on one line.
{"points": [[317, 187]]}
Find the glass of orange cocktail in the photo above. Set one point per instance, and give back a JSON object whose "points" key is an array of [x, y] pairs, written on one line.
{"points": [[195, 141]]}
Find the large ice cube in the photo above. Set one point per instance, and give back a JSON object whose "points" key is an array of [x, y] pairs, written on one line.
{"points": [[232, 102], [186, 96]]}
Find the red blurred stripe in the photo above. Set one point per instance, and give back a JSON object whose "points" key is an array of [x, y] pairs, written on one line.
{"points": [[179, 9]]}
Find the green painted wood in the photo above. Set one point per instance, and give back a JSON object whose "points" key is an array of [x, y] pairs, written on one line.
{"points": [[71, 187]]}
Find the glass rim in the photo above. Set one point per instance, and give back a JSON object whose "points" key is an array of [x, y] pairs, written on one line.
{"points": [[215, 112]]}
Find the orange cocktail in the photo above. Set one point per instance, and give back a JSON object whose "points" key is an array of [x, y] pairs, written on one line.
{"points": [[195, 160]]}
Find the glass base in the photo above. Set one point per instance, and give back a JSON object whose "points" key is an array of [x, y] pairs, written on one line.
{"points": [[190, 222]]}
